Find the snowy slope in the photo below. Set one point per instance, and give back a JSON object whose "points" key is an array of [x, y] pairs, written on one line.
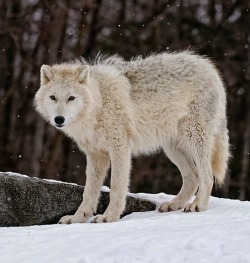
{"points": [[221, 234]]}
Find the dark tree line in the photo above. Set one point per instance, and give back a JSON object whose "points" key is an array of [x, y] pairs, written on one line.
{"points": [[34, 32]]}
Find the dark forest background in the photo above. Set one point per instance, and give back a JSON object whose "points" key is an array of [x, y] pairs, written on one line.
{"points": [[34, 32]]}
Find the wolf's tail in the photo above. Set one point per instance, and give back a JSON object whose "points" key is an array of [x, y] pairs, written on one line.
{"points": [[220, 156]]}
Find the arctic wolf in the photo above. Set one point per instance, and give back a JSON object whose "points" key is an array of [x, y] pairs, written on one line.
{"points": [[114, 109]]}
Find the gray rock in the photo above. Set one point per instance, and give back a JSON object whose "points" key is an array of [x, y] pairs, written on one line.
{"points": [[26, 201]]}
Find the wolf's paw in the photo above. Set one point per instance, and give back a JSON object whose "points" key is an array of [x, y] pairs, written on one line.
{"points": [[71, 219], [105, 219], [194, 207], [170, 206]]}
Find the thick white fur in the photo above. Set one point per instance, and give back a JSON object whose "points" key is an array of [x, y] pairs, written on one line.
{"points": [[122, 108]]}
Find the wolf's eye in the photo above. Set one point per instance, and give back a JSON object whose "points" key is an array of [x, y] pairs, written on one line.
{"points": [[53, 97], [71, 98]]}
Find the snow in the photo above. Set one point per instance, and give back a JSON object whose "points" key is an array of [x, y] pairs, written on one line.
{"points": [[16, 174], [48, 180], [220, 234]]}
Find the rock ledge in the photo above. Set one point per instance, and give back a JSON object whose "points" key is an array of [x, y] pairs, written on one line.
{"points": [[26, 201]]}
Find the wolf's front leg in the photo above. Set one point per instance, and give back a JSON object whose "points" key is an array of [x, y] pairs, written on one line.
{"points": [[97, 166], [120, 169]]}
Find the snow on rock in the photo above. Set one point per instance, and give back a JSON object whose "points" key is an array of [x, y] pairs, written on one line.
{"points": [[15, 174]]}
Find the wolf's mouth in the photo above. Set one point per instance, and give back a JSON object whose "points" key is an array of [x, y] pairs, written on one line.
{"points": [[59, 125]]}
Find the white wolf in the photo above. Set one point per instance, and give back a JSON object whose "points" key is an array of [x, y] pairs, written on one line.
{"points": [[114, 109]]}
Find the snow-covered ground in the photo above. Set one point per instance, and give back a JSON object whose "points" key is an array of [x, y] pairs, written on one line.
{"points": [[221, 234]]}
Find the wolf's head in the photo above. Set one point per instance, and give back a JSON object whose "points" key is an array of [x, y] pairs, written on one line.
{"points": [[64, 94]]}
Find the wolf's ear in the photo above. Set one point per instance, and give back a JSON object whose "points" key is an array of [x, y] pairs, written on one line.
{"points": [[46, 74], [83, 73]]}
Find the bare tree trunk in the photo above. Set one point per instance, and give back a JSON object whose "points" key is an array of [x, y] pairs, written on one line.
{"points": [[245, 161], [93, 28], [246, 137]]}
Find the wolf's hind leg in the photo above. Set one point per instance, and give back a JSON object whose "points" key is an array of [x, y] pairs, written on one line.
{"points": [[97, 166], [189, 178], [205, 179], [200, 143]]}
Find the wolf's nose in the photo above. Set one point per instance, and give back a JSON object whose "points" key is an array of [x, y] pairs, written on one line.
{"points": [[59, 120]]}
